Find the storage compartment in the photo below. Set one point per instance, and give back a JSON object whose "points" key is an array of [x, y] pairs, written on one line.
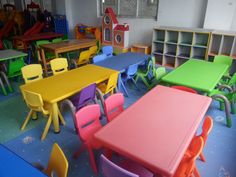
{"points": [[170, 49], [184, 51], [227, 45], [172, 37], [157, 48], [210, 58], [169, 61], [200, 39], [180, 61], [158, 59], [215, 44], [159, 35], [186, 38], [198, 53]]}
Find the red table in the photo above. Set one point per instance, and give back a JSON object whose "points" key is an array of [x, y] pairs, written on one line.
{"points": [[26, 39], [157, 129]]}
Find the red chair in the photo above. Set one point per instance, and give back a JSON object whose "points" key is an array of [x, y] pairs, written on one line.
{"points": [[206, 129], [183, 88], [87, 124], [114, 106], [187, 166]]}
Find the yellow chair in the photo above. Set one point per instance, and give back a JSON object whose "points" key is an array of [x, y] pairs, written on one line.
{"points": [[57, 163], [35, 102], [32, 72], [93, 51], [110, 86], [59, 65], [84, 57]]}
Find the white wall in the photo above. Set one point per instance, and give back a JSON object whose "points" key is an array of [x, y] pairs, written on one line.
{"points": [[59, 7], [233, 25], [220, 14]]}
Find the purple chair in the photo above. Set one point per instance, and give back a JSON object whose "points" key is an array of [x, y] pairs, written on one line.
{"points": [[109, 169]]}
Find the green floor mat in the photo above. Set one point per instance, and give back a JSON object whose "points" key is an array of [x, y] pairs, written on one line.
{"points": [[12, 114]]}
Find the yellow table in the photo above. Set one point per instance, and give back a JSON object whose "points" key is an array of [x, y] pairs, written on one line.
{"points": [[64, 85]]}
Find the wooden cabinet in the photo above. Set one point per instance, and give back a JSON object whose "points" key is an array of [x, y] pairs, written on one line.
{"points": [[139, 48]]}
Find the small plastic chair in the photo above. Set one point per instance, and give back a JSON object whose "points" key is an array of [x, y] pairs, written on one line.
{"points": [[32, 72], [130, 74], [108, 51], [223, 59], [114, 105], [108, 169], [35, 102], [159, 73], [87, 124], [99, 58], [57, 40], [93, 51], [183, 88], [84, 57], [187, 166], [110, 86], [57, 163], [59, 65]]}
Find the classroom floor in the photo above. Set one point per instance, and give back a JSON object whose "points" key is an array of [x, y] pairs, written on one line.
{"points": [[220, 150]]}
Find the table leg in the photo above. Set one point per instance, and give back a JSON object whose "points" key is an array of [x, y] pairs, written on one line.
{"points": [[56, 55], [44, 61], [55, 118], [122, 86]]}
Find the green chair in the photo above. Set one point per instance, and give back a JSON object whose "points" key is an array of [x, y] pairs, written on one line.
{"points": [[159, 73], [148, 74], [56, 40], [230, 81], [48, 55], [223, 59]]}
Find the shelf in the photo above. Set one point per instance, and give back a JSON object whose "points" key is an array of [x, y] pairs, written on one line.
{"points": [[184, 51], [158, 59], [159, 35], [171, 37], [186, 38], [212, 54], [159, 42], [215, 43], [168, 61], [201, 39], [170, 49], [198, 53], [227, 44], [169, 42], [200, 46], [180, 61], [183, 44]]}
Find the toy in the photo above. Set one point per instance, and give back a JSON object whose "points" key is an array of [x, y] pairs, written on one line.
{"points": [[82, 31], [113, 33]]}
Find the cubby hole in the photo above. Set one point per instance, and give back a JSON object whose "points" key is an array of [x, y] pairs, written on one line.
{"points": [[198, 53], [169, 61], [172, 37], [227, 45], [184, 51], [186, 38], [215, 44], [170, 49], [158, 48], [201, 39]]}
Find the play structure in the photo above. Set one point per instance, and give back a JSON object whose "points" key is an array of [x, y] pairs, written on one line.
{"points": [[90, 32]]}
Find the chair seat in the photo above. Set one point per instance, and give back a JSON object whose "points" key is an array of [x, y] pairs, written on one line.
{"points": [[135, 168], [102, 87]]}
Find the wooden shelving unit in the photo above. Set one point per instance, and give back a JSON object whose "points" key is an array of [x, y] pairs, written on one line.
{"points": [[172, 46], [222, 43]]}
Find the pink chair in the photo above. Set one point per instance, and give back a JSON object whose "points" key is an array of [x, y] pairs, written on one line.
{"points": [[109, 169], [183, 88], [114, 105], [87, 123]]}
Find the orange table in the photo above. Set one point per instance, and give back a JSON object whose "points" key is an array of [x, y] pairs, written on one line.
{"points": [[157, 129]]}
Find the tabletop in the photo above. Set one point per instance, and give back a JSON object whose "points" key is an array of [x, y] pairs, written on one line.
{"points": [[10, 54], [70, 43], [156, 130], [58, 87], [123, 61], [198, 74], [14, 166], [46, 35]]}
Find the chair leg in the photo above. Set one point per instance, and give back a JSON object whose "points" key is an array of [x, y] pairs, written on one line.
{"points": [[92, 160], [45, 132], [196, 172], [145, 82], [27, 119], [232, 107], [202, 158], [81, 149], [222, 106], [132, 79]]}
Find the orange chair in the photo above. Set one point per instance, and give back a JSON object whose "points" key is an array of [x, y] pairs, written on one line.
{"points": [[87, 124], [206, 129], [187, 166], [114, 105], [183, 88]]}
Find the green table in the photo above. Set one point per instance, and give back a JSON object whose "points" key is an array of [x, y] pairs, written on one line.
{"points": [[197, 74], [14, 60]]}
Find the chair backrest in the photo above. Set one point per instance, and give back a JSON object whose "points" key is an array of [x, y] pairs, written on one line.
{"points": [[114, 105], [187, 165], [160, 72], [132, 70], [86, 94], [84, 57], [109, 169], [41, 42], [223, 59], [108, 50], [111, 84], [87, 121], [59, 65], [206, 128], [98, 58], [93, 50], [57, 163], [56, 40], [32, 72], [183, 88]]}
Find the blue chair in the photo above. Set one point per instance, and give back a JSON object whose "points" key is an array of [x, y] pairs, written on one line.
{"points": [[98, 58], [108, 51], [130, 74]]}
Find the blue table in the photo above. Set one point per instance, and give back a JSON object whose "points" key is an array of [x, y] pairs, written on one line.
{"points": [[121, 62], [11, 165]]}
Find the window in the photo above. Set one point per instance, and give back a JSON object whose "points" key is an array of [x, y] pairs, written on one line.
{"points": [[107, 34], [131, 8], [118, 39]]}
